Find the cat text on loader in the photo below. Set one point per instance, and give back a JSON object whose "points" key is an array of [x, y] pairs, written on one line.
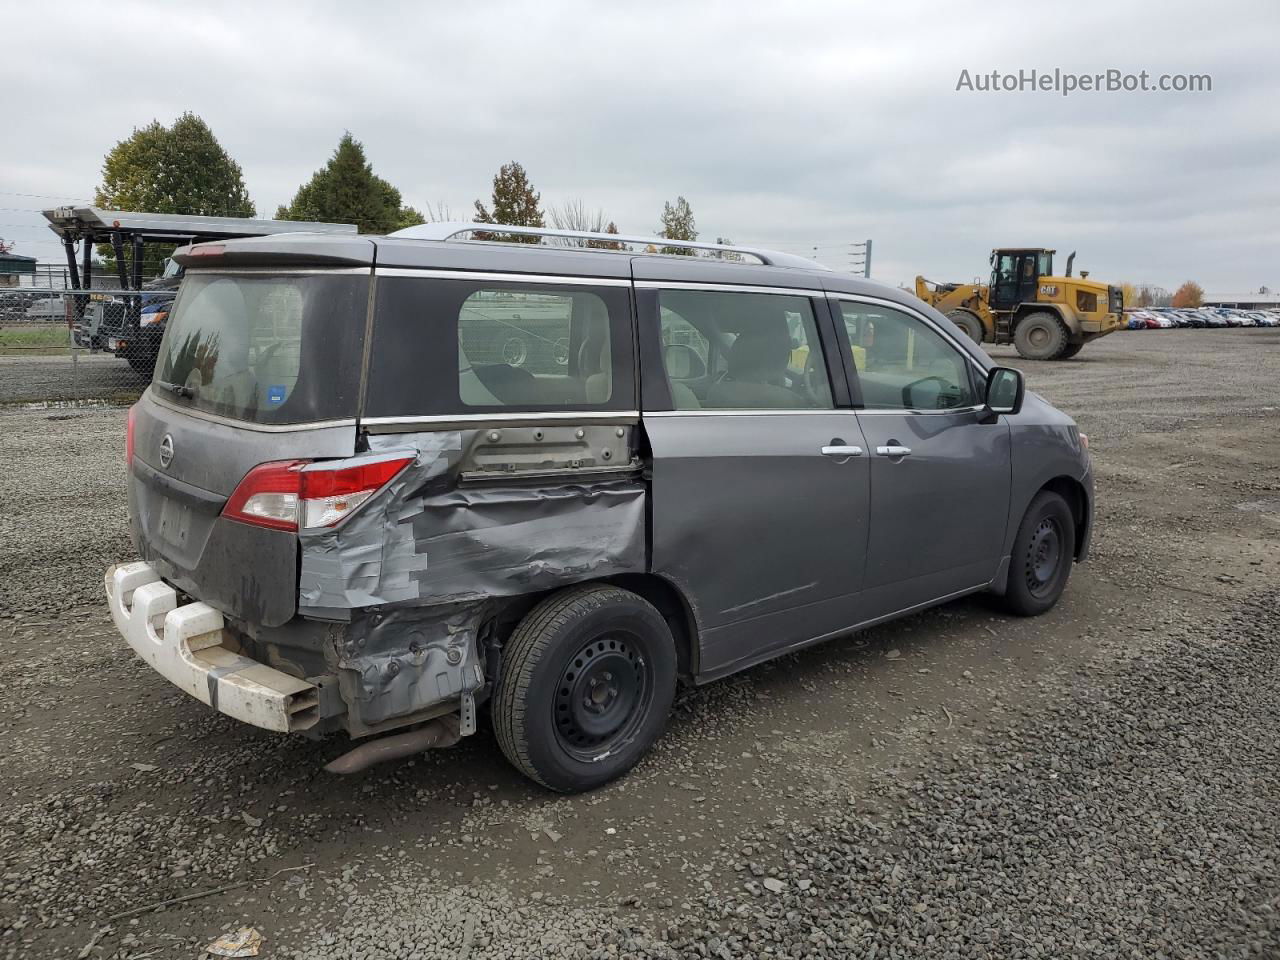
{"points": [[1045, 316]]}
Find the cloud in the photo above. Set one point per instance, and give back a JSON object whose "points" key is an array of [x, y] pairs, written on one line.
{"points": [[790, 124]]}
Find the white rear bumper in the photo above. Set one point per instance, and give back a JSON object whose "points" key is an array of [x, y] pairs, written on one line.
{"points": [[184, 645]]}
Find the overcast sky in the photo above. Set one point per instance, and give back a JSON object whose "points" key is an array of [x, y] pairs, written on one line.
{"points": [[784, 124]]}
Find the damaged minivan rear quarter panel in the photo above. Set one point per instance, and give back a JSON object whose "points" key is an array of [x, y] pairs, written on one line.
{"points": [[510, 491]]}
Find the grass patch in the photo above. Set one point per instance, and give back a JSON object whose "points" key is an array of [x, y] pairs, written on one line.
{"points": [[35, 336]]}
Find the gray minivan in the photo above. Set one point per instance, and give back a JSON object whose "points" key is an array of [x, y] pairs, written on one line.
{"points": [[379, 483]]}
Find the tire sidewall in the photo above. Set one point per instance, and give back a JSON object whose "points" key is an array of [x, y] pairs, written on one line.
{"points": [[968, 324], [1049, 320], [556, 767], [1046, 504]]}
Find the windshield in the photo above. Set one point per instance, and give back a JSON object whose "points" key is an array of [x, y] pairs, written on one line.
{"points": [[266, 349]]}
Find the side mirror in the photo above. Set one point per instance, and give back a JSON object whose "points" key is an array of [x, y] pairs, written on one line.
{"points": [[1005, 390]]}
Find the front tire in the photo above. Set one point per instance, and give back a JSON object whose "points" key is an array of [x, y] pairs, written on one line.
{"points": [[587, 682], [967, 322], [1041, 336], [1043, 551], [1071, 350]]}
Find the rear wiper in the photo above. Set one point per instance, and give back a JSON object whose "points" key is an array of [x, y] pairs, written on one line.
{"points": [[177, 389]]}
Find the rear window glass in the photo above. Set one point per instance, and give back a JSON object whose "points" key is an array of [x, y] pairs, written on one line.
{"points": [[458, 347], [514, 347], [269, 349]]}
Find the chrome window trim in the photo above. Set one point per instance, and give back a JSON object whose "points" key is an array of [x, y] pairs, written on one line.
{"points": [[749, 412], [434, 273], [497, 417], [247, 424], [908, 411], [911, 311], [728, 288]]}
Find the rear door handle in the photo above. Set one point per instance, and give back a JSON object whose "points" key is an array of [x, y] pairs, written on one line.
{"points": [[893, 450], [839, 450]]}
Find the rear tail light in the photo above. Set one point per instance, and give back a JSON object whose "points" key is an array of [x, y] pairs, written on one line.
{"points": [[128, 436], [286, 494]]}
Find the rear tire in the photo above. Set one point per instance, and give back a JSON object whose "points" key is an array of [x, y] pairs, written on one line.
{"points": [[1043, 551], [587, 682], [1071, 350], [1041, 336], [969, 323]]}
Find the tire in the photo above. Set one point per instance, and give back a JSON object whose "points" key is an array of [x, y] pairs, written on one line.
{"points": [[969, 323], [1071, 350], [1041, 336], [572, 729], [1043, 551]]}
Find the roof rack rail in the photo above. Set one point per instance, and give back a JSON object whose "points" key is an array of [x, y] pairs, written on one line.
{"points": [[451, 231]]}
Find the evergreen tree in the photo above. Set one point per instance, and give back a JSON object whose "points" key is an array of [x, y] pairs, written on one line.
{"points": [[514, 202], [176, 169], [678, 224], [346, 190]]}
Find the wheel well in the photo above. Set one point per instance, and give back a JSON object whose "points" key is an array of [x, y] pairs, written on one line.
{"points": [[674, 609], [1071, 491], [659, 592]]}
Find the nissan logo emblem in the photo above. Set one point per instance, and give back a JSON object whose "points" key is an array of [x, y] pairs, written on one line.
{"points": [[166, 451]]}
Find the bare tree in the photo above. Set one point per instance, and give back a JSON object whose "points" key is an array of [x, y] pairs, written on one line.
{"points": [[575, 215], [438, 212]]}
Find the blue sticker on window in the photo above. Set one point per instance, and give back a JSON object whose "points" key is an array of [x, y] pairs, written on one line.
{"points": [[275, 394]]}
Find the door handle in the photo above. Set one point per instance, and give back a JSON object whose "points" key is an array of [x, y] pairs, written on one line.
{"points": [[894, 450], [840, 450]]}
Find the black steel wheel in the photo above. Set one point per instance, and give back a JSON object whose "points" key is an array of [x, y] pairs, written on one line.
{"points": [[1042, 555], [587, 682], [603, 694]]}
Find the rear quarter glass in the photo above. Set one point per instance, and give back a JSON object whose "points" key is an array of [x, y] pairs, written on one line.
{"points": [[446, 347], [266, 348]]}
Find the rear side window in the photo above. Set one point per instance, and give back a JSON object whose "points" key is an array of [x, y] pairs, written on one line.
{"points": [[456, 347], [753, 351], [265, 349]]}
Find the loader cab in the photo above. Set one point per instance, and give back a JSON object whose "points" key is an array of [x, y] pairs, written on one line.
{"points": [[1015, 275]]}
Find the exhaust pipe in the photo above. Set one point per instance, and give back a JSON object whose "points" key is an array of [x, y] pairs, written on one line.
{"points": [[440, 732], [1070, 258]]}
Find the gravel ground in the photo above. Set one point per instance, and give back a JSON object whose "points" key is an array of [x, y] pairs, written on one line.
{"points": [[36, 378], [1101, 781]]}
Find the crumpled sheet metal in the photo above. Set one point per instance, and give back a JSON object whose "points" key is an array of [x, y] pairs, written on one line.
{"points": [[429, 538], [430, 552], [405, 661], [372, 559]]}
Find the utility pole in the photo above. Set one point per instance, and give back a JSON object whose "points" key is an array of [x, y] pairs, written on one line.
{"points": [[860, 257]]}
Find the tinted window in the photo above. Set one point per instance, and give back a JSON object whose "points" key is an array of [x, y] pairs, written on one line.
{"points": [[904, 363], [742, 351], [444, 347], [265, 349]]}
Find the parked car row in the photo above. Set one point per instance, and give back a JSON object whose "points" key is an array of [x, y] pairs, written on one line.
{"points": [[1165, 318], [25, 306]]}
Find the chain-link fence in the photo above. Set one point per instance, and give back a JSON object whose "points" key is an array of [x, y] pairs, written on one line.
{"points": [[78, 347]]}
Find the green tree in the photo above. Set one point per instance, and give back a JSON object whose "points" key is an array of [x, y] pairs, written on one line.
{"points": [[177, 169], [678, 224], [346, 190], [514, 202]]}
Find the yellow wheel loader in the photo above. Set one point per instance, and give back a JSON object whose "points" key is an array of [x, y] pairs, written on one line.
{"points": [[1045, 317]]}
